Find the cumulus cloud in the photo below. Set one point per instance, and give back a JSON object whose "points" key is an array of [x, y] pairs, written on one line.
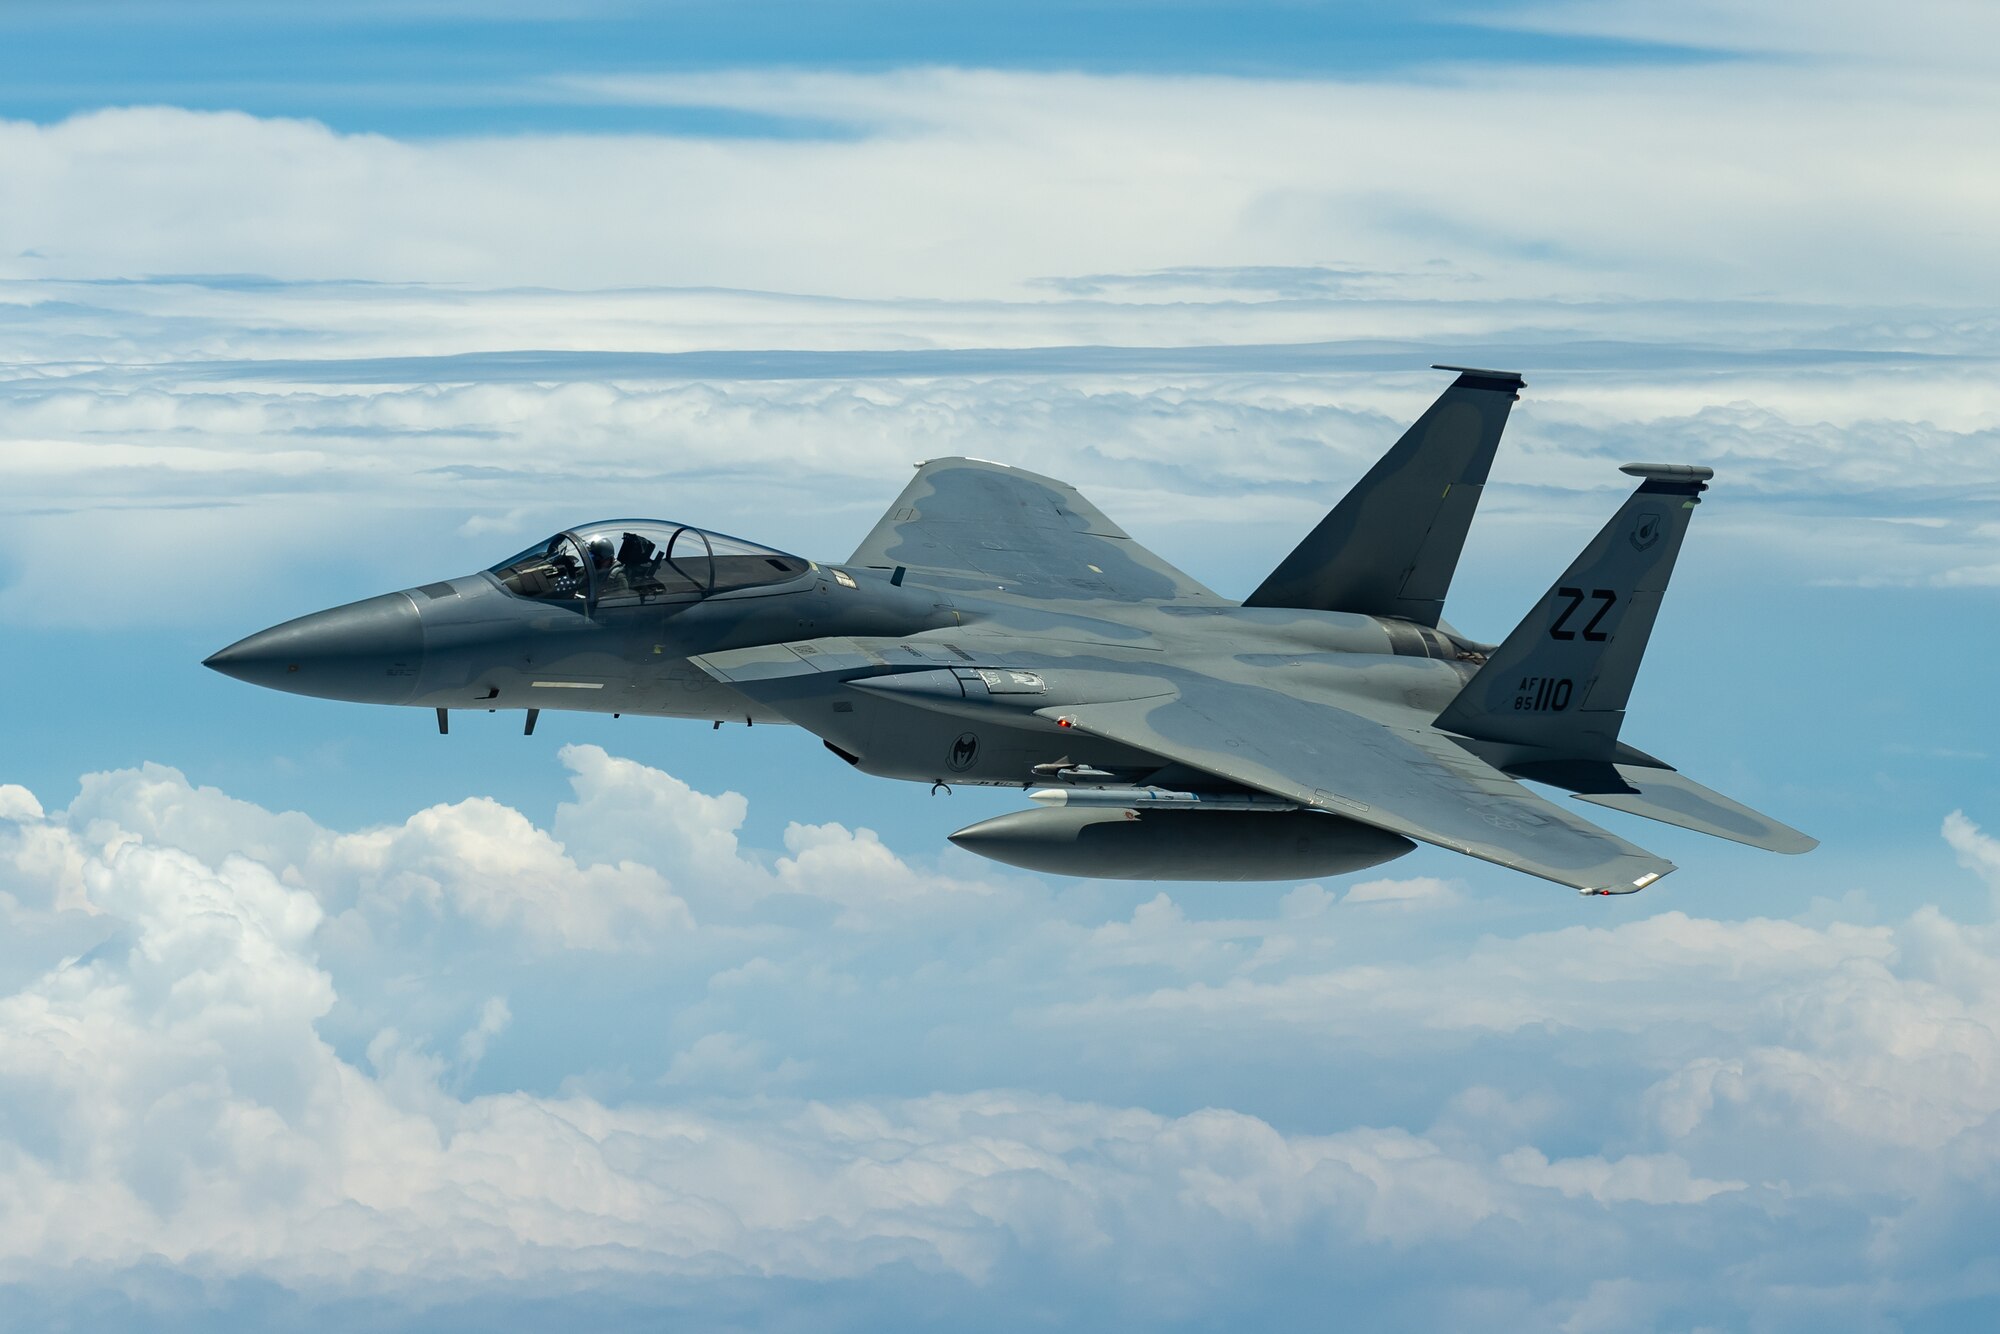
{"points": [[1423, 891], [1977, 850], [181, 1087], [488, 863], [171, 1097], [870, 883]]}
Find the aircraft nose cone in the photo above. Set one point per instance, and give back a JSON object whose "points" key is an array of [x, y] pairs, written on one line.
{"points": [[369, 652]]}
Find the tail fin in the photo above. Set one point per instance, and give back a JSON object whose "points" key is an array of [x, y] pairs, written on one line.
{"points": [[1561, 680], [1391, 546]]}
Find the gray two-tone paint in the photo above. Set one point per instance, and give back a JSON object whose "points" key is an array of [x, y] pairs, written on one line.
{"points": [[996, 628]]}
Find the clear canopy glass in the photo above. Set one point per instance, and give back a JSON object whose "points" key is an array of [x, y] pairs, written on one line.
{"points": [[627, 562]]}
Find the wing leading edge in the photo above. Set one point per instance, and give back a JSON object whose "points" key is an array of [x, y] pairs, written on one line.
{"points": [[1413, 782], [1035, 535]]}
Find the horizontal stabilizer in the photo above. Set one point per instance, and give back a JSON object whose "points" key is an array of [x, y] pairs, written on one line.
{"points": [[1674, 798]]}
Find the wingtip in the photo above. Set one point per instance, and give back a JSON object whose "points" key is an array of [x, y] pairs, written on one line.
{"points": [[1629, 886]]}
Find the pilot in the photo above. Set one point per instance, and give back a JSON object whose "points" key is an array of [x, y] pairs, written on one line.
{"points": [[600, 554]]}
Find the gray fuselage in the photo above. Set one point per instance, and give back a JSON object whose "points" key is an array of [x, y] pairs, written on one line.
{"points": [[474, 643]]}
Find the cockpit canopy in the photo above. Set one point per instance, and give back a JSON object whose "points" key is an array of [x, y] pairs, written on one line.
{"points": [[628, 562]]}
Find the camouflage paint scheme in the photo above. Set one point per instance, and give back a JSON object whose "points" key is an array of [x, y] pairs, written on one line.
{"points": [[996, 628]]}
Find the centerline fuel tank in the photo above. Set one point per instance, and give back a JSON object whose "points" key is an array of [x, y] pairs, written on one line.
{"points": [[1133, 843]]}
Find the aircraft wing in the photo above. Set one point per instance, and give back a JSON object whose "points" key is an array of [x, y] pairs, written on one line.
{"points": [[1019, 531], [1412, 781]]}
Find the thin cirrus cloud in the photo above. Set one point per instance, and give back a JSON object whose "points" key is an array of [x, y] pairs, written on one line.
{"points": [[1927, 34], [193, 414], [208, 1057]]}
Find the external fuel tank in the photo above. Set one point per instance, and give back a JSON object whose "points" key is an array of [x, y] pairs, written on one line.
{"points": [[1143, 843]]}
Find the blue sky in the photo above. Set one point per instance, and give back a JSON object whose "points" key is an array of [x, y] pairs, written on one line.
{"points": [[443, 68], [308, 1015]]}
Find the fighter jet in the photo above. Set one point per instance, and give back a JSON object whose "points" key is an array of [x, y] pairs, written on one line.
{"points": [[996, 628]]}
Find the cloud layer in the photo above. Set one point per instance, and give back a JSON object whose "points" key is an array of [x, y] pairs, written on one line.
{"points": [[956, 183], [258, 1048], [290, 421]]}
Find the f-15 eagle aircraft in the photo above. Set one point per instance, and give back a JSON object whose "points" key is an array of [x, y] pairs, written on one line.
{"points": [[996, 628]]}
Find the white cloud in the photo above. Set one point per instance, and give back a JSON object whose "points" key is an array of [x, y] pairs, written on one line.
{"points": [[18, 804], [870, 883], [972, 182], [175, 1092], [626, 812], [1831, 380], [296, 472], [489, 863], [1925, 34], [477, 859], [731, 1063], [1977, 850], [1656, 1178], [174, 1099], [1581, 978], [1422, 891], [494, 1016]]}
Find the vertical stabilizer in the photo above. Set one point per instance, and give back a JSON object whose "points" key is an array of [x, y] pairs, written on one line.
{"points": [[1391, 546], [1561, 680]]}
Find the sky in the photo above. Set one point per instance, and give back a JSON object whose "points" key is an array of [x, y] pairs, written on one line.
{"points": [[309, 1016]]}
